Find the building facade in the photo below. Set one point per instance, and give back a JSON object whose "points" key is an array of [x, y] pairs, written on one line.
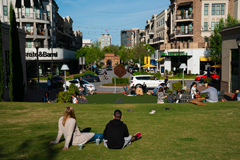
{"points": [[105, 40], [87, 42], [40, 20], [5, 50], [189, 25], [129, 37], [230, 77]]}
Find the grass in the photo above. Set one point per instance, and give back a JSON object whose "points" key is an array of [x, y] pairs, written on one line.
{"points": [[185, 131]]}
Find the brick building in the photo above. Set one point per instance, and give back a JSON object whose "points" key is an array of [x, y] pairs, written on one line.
{"points": [[111, 60]]}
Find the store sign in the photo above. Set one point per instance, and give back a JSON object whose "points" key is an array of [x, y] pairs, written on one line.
{"points": [[174, 54], [41, 54]]}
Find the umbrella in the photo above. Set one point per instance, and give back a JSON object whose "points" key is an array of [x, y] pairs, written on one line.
{"points": [[148, 65], [208, 72], [217, 66]]}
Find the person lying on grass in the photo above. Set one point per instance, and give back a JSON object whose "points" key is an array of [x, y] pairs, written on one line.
{"points": [[116, 134], [67, 126]]}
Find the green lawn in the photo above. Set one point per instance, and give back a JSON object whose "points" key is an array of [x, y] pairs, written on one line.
{"points": [[184, 132]]}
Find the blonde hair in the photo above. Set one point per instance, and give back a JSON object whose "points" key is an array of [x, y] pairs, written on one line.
{"points": [[69, 113]]}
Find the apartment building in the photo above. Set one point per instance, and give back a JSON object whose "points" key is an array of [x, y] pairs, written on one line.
{"points": [[105, 40], [40, 20], [156, 34], [236, 13], [141, 36], [78, 39], [87, 42], [128, 37], [190, 23]]}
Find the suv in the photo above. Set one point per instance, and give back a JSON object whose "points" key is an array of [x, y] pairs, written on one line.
{"points": [[150, 80]]}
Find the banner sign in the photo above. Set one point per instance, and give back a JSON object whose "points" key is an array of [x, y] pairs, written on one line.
{"points": [[80, 60], [41, 54], [83, 62]]}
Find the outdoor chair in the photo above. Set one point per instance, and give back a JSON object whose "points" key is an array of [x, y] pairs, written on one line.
{"points": [[220, 95]]}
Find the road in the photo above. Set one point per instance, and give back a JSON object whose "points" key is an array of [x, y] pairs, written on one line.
{"points": [[111, 74]]}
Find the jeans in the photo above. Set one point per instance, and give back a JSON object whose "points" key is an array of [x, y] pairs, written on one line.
{"points": [[97, 135]]}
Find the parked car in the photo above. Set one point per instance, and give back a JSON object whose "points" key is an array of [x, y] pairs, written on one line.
{"points": [[90, 78], [109, 68], [150, 80], [76, 82], [57, 79], [201, 77]]}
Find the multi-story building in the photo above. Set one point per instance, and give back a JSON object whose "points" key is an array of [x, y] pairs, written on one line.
{"points": [[40, 20], [190, 23], [236, 13], [156, 34], [87, 42], [141, 36], [128, 37], [78, 39], [105, 40]]}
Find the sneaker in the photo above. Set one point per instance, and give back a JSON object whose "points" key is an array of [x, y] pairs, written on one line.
{"points": [[137, 135], [152, 112]]}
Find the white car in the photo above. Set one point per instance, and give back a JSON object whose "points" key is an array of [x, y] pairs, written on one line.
{"points": [[150, 81], [76, 82]]}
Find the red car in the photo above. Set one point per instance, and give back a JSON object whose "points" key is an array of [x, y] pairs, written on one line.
{"points": [[201, 77]]}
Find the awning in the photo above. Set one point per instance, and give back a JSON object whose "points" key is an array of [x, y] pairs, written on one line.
{"points": [[185, 4], [160, 59], [217, 66], [18, 4], [36, 4], [27, 3], [148, 65], [205, 59]]}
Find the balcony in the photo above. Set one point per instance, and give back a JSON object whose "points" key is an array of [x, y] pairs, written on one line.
{"points": [[184, 33], [32, 16], [33, 32], [183, 45], [150, 41], [184, 18], [151, 32], [158, 40]]}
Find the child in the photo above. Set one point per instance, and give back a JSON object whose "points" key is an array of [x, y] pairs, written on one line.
{"points": [[74, 99], [179, 96], [91, 91], [161, 96]]}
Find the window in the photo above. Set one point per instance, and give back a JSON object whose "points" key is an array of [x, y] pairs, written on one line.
{"points": [[213, 26], [163, 21], [218, 9], [27, 10], [29, 43], [182, 28], [5, 13], [222, 9], [190, 27], [205, 26], [28, 27], [35, 11], [205, 39], [206, 9], [213, 9]]}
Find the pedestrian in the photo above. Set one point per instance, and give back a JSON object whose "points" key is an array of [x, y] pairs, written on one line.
{"points": [[49, 84], [81, 83], [116, 135], [133, 90]]}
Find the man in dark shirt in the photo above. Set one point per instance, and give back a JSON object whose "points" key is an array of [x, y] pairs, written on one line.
{"points": [[81, 82], [115, 135], [144, 87]]}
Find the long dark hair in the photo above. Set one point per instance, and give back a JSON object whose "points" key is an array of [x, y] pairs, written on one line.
{"points": [[192, 85]]}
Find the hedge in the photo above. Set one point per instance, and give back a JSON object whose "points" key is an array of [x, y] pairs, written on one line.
{"points": [[123, 80]]}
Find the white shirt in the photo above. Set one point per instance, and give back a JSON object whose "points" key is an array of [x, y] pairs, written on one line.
{"points": [[74, 100]]}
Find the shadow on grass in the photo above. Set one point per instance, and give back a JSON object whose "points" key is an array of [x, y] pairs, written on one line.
{"points": [[88, 129]]}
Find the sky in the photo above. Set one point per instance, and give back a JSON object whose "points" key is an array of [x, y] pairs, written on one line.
{"points": [[96, 17]]}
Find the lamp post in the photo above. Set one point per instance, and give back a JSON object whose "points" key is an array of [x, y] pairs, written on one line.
{"points": [[37, 44], [238, 44], [183, 66], [65, 68]]}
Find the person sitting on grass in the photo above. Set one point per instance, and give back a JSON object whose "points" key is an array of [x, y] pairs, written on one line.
{"points": [[91, 91], [193, 90], [81, 89], [144, 87], [133, 90], [234, 97], [115, 135], [161, 96], [155, 90], [45, 97], [126, 90], [74, 99], [212, 94], [67, 126]]}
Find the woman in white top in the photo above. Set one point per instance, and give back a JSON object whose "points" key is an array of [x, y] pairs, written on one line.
{"points": [[67, 126], [194, 90], [74, 99]]}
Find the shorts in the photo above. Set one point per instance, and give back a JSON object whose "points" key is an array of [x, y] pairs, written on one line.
{"points": [[126, 141]]}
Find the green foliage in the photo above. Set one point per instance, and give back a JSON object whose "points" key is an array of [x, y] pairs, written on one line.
{"points": [[124, 53], [169, 91], [2, 86], [171, 72], [139, 73], [111, 49], [80, 75], [50, 77], [216, 38], [207, 80], [177, 85], [67, 74], [67, 96], [123, 80], [158, 75], [166, 71], [16, 86], [203, 95]]}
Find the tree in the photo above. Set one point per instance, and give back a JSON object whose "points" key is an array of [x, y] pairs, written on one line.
{"points": [[111, 49], [124, 53], [16, 86], [216, 38], [1, 67], [140, 50]]}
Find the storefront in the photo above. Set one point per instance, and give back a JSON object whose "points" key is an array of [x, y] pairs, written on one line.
{"points": [[230, 77], [47, 59]]}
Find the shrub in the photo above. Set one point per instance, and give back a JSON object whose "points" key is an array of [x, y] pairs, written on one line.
{"points": [[203, 95], [64, 96], [169, 91], [175, 86], [139, 73], [171, 72], [73, 89], [80, 75], [207, 80], [158, 75], [166, 71], [59, 84], [67, 74], [181, 82], [123, 80]]}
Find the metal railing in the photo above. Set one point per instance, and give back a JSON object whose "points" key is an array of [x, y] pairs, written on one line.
{"points": [[182, 17], [184, 32], [42, 16], [157, 39]]}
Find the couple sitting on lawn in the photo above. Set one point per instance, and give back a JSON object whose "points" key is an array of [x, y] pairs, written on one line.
{"points": [[115, 135], [134, 90]]}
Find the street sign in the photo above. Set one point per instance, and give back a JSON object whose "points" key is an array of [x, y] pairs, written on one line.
{"points": [[119, 71]]}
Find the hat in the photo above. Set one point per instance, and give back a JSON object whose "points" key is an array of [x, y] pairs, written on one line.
{"points": [[237, 91]]}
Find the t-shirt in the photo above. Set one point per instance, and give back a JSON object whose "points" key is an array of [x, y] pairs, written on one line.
{"points": [[74, 100], [193, 89], [166, 80], [49, 83]]}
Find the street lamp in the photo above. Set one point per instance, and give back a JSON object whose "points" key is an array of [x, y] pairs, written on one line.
{"points": [[238, 44], [65, 68], [183, 66], [37, 44]]}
